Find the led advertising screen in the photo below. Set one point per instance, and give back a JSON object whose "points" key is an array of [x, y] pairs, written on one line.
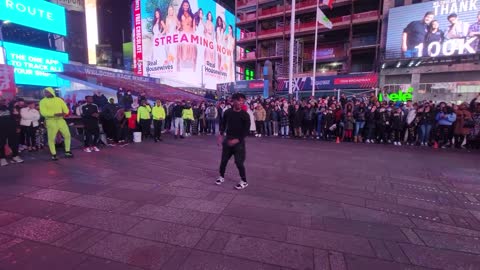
{"points": [[191, 41], [35, 66], [434, 29], [41, 15]]}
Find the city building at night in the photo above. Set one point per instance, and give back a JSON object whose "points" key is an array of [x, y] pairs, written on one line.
{"points": [[346, 55], [430, 49]]}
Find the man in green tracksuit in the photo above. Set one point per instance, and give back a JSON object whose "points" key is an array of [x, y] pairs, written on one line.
{"points": [[54, 109], [158, 114]]}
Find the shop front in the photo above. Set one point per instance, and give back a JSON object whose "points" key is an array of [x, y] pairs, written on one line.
{"points": [[444, 83]]}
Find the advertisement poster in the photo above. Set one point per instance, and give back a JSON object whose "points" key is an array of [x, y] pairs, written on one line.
{"points": [[189, 40], [434, 29], [361, 81], [104, 55], [34, 66], [7, 82], [41, 15]]}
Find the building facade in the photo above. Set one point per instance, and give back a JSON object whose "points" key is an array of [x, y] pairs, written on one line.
{"points": [[446, 68], [350, 48]]}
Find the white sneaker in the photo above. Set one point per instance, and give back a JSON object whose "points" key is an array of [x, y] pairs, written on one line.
{"points": [[3, 162], [367, 141], [241, 185], [259, 135], [87, 149], [220, 180], [399, 143], [17, 159], [95, 149]]}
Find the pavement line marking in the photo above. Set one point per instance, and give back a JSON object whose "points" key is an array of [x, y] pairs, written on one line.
{"points": [[424, 188], [467, 193], [408, 214], [408, 197], [472, 203]]}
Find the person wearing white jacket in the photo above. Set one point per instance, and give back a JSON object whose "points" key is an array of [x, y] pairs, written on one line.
{"points": [[29, 124]]}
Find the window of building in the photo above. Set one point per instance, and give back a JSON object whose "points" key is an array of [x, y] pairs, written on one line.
{"points": [[399, 3]]}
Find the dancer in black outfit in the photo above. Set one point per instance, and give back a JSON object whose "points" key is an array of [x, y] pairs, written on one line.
{"points": [[236, 124]]}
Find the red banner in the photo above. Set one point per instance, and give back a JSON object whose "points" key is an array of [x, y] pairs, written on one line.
{"points": [[138, 38], [364, 81], [7, 82]]}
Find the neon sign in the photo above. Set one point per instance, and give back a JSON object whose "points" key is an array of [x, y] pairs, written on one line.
{"points": [[399, 96], [41, 15], [35, 66]]}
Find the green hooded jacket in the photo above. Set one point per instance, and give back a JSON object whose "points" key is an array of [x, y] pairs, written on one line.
{"points": [[51, 106]]}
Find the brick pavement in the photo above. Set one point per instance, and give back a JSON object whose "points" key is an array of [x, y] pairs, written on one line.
{"points": [[310, 205]]}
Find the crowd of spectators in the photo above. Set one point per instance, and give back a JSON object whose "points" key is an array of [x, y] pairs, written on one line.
{"points": [[354, 119]]}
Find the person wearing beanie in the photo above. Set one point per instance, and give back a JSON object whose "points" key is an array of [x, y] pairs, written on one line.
{"points": [[54, 109]]}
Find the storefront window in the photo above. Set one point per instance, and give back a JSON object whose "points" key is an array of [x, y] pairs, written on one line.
{"points": [[452, 92]]}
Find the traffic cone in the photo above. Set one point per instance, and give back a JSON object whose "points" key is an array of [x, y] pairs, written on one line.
{"points": [[435, 145], [338, 139]]}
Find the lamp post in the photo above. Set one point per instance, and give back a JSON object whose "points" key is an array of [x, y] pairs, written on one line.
{"points": [[4, 53], [292, 44]]}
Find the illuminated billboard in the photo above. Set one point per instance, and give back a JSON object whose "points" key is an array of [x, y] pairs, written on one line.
{"points": [[434, 29], [35, 66], [41, 15], [191, 41]]}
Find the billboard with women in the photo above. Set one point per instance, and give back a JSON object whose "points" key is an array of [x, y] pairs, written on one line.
{"points": [[434, 29], [191, 41]]}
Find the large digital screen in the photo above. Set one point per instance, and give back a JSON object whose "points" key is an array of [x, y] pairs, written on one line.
{"points": [[41, 15], [35, 66], [434, 29], [191, 41]]}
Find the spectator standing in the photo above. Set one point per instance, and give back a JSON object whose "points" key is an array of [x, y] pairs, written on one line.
{"points": [[90, 117], [298, 116], [268, 120], [260, 115], [187, 116], [107, 117], [127, 100], [177, 114], [121, 126], [100, 100], [349, 126], [308, 121], [211, 114], [158, 115], [398, 123], [144, 119], [359, 114], [462, 124], [371, 124], [284, 121], [445, 119], [29, 124], [426, 120], [8, 134], [120, 96]]}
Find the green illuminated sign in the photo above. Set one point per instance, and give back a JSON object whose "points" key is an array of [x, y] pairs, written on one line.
{"points": [[399, 96]]}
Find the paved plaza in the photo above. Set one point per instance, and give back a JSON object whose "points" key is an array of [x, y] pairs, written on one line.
{"points": [[309, 206]]}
